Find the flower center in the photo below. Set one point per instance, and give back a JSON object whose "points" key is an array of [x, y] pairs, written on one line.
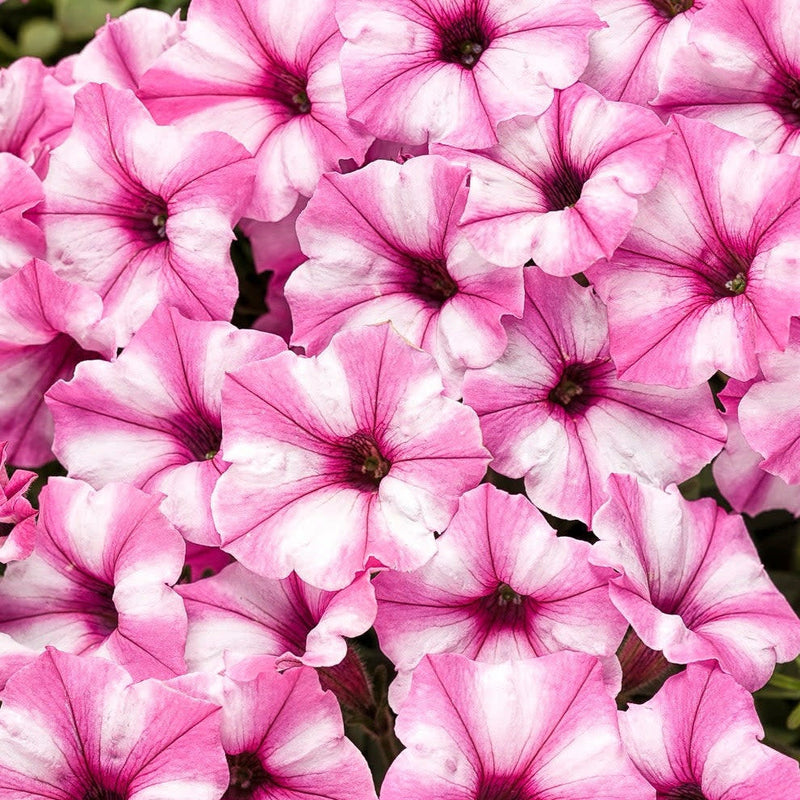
{"points": [[501, 787], [288, 89], [788, 99], [366, 465], [735, 268], [431, 281], [105, 612], [151, 222], [563, 189], [464, 39], [689, 791], [571, 390], [96, 792], [247, 775], [671, 8], [505, 608], [737, 284]]}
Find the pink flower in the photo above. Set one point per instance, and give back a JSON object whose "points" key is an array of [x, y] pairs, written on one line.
{"points": [[562, 188], [501, 586], [741, 70], [688, 579], [267, 74], [627, 59], [99, 580], [383, 244], [698, 738], [236, 615], [419, 70], [542, 727], [336, 459], [748, 487], [20, 191], [77, 727], [125, 48], [152, 418], [553, 412], [17, 515], [706, 279], [47, 326], [283, 737], [143, 214]]}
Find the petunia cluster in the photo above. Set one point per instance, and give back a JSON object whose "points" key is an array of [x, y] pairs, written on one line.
{"points": [[530, 268]]}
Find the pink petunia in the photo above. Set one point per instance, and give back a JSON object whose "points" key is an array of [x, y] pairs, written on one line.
{"points": [[47, 326], [17, 515], [553, 412], [237, 615], [267, 74], [99, 580], [384, 244], [143, 214], [707, 278], [339, 458], [501, 586], [535, 728], [562, 188], [78, 727], [698, 739], [152, 418], [424, 70], [688, 579], [740, 69]]}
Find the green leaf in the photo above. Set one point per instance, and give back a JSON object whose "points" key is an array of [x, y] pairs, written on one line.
{"points": [[79, 19], [40, 37], [781, 681], [793, 722]]}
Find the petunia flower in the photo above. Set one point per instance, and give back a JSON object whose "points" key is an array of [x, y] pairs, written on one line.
{"points": [[47, 326], [698, 739], [152, 418], [740, 69], [501, 586], [543, 727], [424, 70], [627, 59], [553, 411], [98, 581], [688, 579], [143, 214], [562, 188], [707, 278], [336, 459], [236, 615], [17, 515], [267, 74], [78, 727], [384, 244]]}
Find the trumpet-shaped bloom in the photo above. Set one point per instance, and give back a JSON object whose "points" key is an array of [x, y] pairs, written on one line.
{"points": [[740, 69], [17, 515], [770, 411], [267, 74], [350, 455], [143, 214], [77, 727], [20, 239], [425, 70], [237, 614], [47, 326], [698, 739], [384, 245], [99, 580], [517, 730], [562, 188], [553, 412], [283, 738], [627, 59], [688, 579], [707, 278], [737, 469], [501, 586], [152, 418]]}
